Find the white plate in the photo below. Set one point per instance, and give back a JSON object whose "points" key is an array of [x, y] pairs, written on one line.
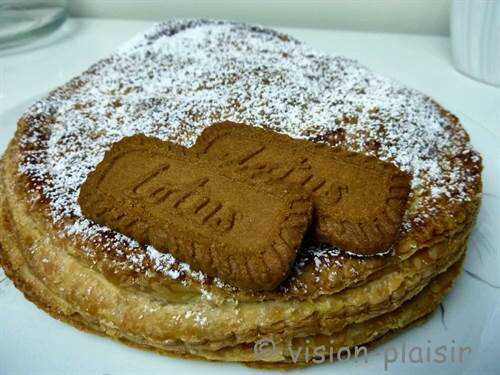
{"points": [[31, 342]]}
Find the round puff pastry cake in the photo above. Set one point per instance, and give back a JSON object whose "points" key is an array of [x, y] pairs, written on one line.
{"points": [[171, 83]]}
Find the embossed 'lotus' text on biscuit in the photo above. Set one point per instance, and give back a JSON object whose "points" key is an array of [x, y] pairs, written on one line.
{"points": [[359, 201], [161, 194], [188, 199]]}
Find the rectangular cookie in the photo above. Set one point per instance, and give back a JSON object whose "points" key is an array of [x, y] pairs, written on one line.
{"points": [[160, 193], [359, 201]]}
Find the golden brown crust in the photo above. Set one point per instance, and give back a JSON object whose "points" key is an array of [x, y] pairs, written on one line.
{"points": [[326, 314], [160, 194], [359, 201], [365, 333], [77, 293], [374, 331]]}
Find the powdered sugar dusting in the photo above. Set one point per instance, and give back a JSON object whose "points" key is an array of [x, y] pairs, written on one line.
{"points": [[181, 76]]}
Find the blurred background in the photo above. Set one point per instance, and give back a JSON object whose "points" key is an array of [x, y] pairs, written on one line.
{"points": [[402, 16]]}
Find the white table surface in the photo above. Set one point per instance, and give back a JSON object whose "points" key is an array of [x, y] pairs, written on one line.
{"points": [[33, 343]]}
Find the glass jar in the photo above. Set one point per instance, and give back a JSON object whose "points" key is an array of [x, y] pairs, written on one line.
{"points": [[24, 20]]}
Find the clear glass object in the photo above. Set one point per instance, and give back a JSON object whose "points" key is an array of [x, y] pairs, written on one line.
{"points": [[24, 20]]}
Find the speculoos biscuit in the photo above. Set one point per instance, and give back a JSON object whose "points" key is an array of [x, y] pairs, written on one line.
{"points": [[359, 200], [160, 193]]}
